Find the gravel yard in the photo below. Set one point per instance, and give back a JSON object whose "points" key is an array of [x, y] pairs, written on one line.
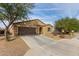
{"points": [[16, 47]]}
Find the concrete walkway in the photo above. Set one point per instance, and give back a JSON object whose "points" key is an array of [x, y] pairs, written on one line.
{"points": [[44, 46]]}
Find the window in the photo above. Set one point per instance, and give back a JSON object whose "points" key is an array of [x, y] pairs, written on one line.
{"points": [[49, 29]]}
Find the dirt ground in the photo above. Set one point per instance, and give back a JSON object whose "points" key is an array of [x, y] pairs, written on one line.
{"points": [[16, 47], [59, 37]]}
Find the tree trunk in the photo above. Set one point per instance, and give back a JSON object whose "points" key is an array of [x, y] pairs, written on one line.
{"points": [[6, 34]]}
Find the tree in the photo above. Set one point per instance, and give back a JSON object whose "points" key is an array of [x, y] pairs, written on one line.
{"points": [[13, 11], [67, 25]]}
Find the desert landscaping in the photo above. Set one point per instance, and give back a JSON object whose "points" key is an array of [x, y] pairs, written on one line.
{"points": [[13, 48], [31, 29]]}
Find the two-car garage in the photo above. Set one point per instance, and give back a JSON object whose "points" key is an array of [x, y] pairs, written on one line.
{"points": [[26, 30]]}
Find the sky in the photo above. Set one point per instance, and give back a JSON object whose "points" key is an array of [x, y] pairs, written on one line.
{"points": [[51, 12]]}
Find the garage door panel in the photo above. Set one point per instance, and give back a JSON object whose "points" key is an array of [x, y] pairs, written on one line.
{"points": [[26, 31]]}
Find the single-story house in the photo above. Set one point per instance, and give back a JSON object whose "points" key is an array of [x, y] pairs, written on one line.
{"points": [[31, 27]]}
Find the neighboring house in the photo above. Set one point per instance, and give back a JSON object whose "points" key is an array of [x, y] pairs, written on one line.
{"points": [[31, 27]]}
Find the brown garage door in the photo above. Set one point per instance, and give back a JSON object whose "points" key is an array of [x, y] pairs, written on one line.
{"points": [[26, 31]]}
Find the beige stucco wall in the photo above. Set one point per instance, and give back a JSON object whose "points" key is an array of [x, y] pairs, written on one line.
{"points": [[45, 30], [14, 29]]}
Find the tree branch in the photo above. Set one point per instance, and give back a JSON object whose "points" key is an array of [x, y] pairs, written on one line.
{"points": [[4, 23], [12, 22]]}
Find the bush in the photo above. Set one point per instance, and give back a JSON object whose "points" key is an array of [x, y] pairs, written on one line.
{"points": [[67, 24]]}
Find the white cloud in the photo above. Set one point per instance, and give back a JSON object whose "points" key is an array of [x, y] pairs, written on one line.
{"points": [[46, 19], [46, 9], [63, 9], [49, 13]]}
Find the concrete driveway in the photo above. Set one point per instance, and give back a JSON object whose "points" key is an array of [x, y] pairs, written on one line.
{"points": [[44, 46]]}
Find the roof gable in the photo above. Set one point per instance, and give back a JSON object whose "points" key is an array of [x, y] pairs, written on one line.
{"points": [[31, 22]]}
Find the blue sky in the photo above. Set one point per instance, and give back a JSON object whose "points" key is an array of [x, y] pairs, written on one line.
{"points": [[50, 12]]}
